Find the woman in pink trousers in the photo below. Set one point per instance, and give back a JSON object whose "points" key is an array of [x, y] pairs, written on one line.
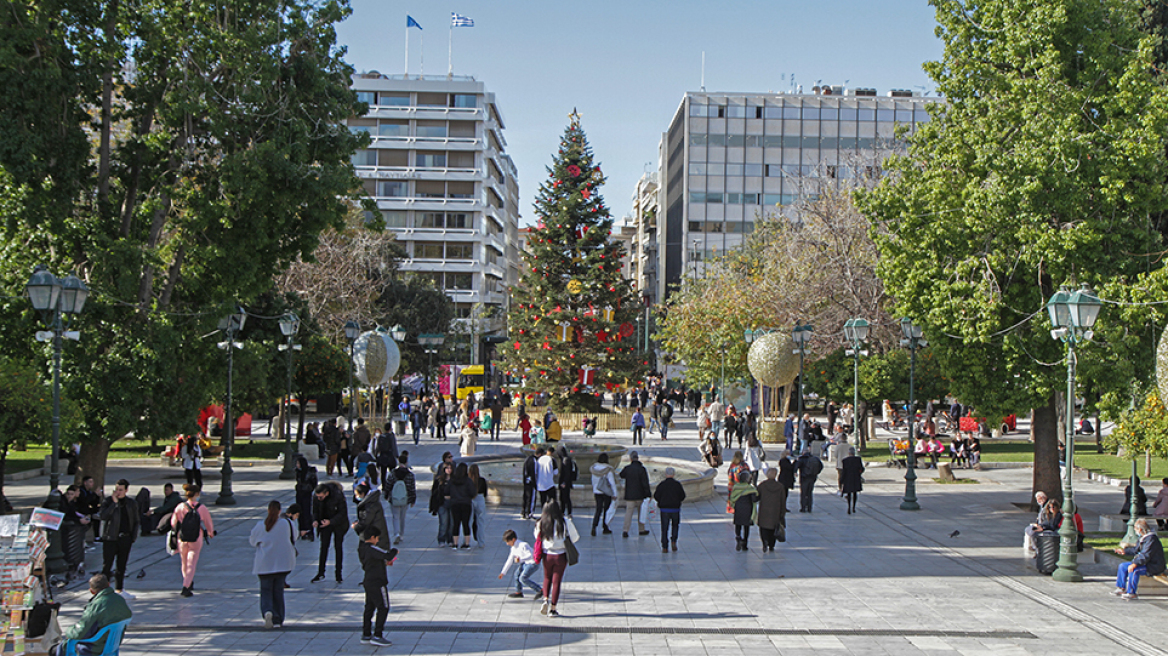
{"points": [[192, 522]]}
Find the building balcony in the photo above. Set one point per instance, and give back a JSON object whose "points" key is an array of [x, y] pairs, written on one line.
{"points": [[426, 112], [428, 143], [416, 172]]}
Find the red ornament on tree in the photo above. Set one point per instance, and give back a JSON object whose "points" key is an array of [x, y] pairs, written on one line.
{"points": [[586, 194], [587, 376], [627, 329], [573, 170]]}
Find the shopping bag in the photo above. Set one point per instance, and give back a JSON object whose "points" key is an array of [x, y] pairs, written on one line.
{"points": [[610, 513], [646, 510]]}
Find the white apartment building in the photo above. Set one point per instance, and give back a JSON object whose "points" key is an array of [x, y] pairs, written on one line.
{"points": [[643, 254], [438, 169], [729, 158]]}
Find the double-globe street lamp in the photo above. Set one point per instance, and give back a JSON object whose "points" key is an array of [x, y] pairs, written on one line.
{"points": [[801, 337], [289, 326], [856, 333], [58, 299], [432, 343], [914, 340], [1073, 316], [232, 324], [352, 332]]}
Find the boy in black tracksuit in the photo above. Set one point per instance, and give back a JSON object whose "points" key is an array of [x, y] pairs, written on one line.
{"points": [[374, 560]]}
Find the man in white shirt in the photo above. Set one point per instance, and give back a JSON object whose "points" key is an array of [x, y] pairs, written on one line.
{"points": [[545, 475], [717, 413]]}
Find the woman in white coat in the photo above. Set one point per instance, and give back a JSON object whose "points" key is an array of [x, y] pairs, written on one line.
{"points": [[274, 539]]}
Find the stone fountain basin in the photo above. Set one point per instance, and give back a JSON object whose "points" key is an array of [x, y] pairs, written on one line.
{"points": [[504, 476], [585, 453]]}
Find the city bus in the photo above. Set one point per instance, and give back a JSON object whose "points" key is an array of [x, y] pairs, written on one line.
{"points": [[470, 379]]}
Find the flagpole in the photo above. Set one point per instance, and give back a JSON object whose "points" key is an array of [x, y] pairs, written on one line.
{"points": [[450, 53], [407, 51], [422, 56]]}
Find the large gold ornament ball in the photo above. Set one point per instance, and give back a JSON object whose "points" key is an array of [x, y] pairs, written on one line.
{"points": [[771, 360], [376, 358]]}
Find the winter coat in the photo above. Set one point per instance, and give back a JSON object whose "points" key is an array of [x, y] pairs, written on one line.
{"points": [[636, 481], [111, 519], [334, 508], [275, 551], [743, 500], [1149, 553], [772, 504], [787, 473], [809, 467], [370, 512], [461, 492], [853, 467], [601, 471], [669, 494]]}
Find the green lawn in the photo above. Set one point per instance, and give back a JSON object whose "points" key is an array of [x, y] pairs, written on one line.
{"points": [[34, 456], [1023, 451], [1107, 542]]}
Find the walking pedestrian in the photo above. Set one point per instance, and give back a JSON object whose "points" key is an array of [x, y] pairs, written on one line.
{"points": [[636, 491], [274, 539], [523, 558], [523, 425], [529, 479], [839, 453], [754, 458], [478, 505], [637, 425], [306, 482], [666, 411], [787, 472], [384, 448], [361, 437], [461, 492], [809, 467], [374, 559], [554, 532], [568, 475], [193, 522], [332, 445], [440, 501], [545, 474], [669, 495], [192, 460], [346, 453], [120, 518], [772, 510], [403, 494], [853, 482], [717, 412], [744, 500], [604, 491], [330, 513]]}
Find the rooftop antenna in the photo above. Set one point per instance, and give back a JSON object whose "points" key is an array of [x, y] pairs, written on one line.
{"points": [[703, 71]]}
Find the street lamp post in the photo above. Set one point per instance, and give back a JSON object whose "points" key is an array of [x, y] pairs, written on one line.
{"points": [[431, 342], [801, 336], [695, 260], [856, 332], [913, 340], [55, 297], [399, 335], [352, 332], [1073, 316], [289, 325], [231, 325]]}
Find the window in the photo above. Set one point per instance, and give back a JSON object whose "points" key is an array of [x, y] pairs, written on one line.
{"points": [[462, 310], [367, 97], [428, 250], [431, 189], [432, 100], [866, 114], [774, 171], [753, 140], [462, 129], [792, 141], [393, 129], [716, 111], [829, 143], [750, 199], [828, 114], [733, 198], [921, 115], [697, 168], [734, 169], [459, 251], [359, 125], [713, 197], [885, 115], [791, 112], [464, 100], [364, 158], [736, 140], [848, 113], [460, 190], [811, 113], [757, 113], [773, 112], [460, 160], [717, 140], [754, 170], [696, 109], [392, 188], [698, 140], [810, 143], [492, 256], [695, 226], [431, 159], [386, 99], [396, 158], [431, 129], [459, 280], [712, 226], [458, 220], [773, 141], [736, 111], [432, 220], [394, 218]]}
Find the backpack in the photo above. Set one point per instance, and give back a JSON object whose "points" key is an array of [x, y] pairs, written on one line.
{"points": [[190, 529], [399, 495]]}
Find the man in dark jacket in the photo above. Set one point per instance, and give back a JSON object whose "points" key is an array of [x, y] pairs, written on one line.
{"points": [[361, 437], [331, 520], [529, 474], [1148, 560], [787, 474], [120, 519], [89, 504], [669, 496], [809, 467], [332, 445], [160, 516], [636, 490], [385, 450]]}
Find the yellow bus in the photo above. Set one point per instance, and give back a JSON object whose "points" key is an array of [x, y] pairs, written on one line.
{"points": [[470, 380]]}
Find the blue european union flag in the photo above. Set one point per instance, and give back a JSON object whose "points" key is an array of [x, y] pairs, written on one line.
{"points": [[410, 22]]}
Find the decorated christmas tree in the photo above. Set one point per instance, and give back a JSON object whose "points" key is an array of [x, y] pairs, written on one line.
{"points": [[572, 318]]}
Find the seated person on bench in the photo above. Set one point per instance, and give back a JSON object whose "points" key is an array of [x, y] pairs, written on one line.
{"points": [[1148, 560]]}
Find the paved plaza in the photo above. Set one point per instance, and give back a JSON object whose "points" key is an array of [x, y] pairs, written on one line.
{"points": [[882, 581]]}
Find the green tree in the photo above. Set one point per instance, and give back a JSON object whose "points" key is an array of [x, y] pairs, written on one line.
{"points": [[573, 278], [217, 157], [1046, 166], [1142, 430], [26, 409]]}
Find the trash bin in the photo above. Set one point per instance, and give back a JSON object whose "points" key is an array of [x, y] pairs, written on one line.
{"points": [[1046, 548]]}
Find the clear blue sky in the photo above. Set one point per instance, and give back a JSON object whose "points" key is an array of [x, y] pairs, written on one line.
{"points": [[626, 64]]}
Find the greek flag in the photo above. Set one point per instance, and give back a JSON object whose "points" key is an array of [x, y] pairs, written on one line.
{"points": [[460, 21], [410, 22]]}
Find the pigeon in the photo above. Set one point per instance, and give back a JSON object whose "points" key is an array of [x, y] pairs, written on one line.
{"points": [[141, 574], [952, 535]]}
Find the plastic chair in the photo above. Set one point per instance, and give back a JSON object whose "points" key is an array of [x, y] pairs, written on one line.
{"points": [[112, 633]]}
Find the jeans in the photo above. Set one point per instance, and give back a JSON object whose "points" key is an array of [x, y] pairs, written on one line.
{"points": [[478, 508], [1129, 581], [324, 534], [272, 596], [669, 518], [399, 519], [638, 435], [523, 574], [806, 487], [716, 428], [376, 601], [444, 526], [603, 501], [654, 422], [554, 566]]}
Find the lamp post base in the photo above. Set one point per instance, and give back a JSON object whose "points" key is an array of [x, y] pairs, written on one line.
{"points": [[226, 495], [289, 471], [55, 556], [1067, 575]]}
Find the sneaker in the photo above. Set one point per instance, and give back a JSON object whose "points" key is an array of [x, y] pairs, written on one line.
{"points": [[544, 609], [366, 639], [539, 596], [1131, 596], [397, 540], [643, 533], [465, 546], [339, 579], [268, 620], [553, 613], [317, 579], [378, 641], [1117, 592], [515, 595]]}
